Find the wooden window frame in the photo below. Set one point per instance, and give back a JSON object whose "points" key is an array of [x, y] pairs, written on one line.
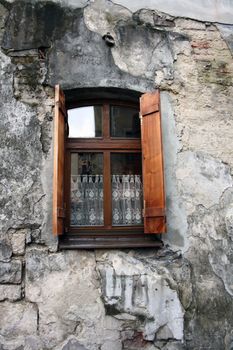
{"points": [[112, 236]]}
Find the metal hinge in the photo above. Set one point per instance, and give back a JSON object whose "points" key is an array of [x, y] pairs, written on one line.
{"points": [[61, 213]]}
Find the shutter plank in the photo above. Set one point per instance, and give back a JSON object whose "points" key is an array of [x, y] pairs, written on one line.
{"points": [[152, 162], [59, 157]]}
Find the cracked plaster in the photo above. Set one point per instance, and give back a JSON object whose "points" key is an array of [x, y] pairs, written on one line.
{"points": [[196, 84]]}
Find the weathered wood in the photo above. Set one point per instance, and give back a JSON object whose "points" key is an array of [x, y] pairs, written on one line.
{"points": [[152, 164]]}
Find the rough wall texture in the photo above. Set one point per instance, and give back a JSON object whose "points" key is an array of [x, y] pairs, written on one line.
{"points": [[179, 297]]}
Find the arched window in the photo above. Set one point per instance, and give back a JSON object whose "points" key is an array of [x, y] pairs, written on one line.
{"points": [[108, 170]]}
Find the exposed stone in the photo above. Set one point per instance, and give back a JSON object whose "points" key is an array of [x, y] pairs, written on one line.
{"points": [[73, 344], [229, 221], [116, 345], [173, 346], [33, 342], [21, 145], [17, 320], [68, 298], [10, 292], [153, 18], [18, 243], [5, 250], [11, 272]]}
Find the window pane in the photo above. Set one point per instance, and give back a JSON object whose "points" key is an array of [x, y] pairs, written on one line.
{"points": [[126, 172], [85, 121], [86, 189], [124, 122]]}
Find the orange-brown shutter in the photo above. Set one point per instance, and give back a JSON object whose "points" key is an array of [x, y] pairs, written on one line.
{"points": [[59, 157], [152, 163]]}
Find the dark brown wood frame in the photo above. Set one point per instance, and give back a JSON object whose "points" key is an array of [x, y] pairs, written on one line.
{"points": [[107, 235]]}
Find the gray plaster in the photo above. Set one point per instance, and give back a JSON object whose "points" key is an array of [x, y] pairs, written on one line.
{"points": [[176, 216], [220, 11], [89, 63], [71, 3], [227, 34]]}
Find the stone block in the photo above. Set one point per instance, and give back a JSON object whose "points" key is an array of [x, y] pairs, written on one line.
{"points": [[18, 243], [73, 344], [65, 287], [113, 345], [10, 292], [11, 272], [17, 319], [5, 250]]}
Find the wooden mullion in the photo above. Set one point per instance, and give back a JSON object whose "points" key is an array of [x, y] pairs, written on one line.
{"points": [[104, 144], [106, 122], [107, 191]]}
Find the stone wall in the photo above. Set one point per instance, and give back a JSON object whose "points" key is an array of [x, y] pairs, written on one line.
{"points": [[177, 297]]}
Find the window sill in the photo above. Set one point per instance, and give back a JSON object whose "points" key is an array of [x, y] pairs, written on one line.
{"points": [[80, 242]]}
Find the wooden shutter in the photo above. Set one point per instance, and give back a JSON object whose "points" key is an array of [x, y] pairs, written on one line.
{"points": [[152, 163], [60, 122]]}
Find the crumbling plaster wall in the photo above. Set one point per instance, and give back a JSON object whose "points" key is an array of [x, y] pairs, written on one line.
{"points": [[179, 297]]}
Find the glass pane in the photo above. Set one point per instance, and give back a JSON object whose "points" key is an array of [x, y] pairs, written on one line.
{"points": [[86, 189], [85, 121], [126, 172], [124, 122]]}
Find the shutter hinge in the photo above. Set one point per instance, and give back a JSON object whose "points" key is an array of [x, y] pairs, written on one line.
{"points": [[61, 213]]}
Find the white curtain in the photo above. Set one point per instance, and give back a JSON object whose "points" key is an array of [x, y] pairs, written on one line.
{"points": [[126, 199], [87, 200]]}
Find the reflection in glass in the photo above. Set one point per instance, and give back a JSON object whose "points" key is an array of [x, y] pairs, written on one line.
{"points": [[126, 189], [86, 189], [124, 122], [85, 121]]}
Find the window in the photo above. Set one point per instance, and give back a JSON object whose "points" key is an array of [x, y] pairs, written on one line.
{"points": [[108, 173]]}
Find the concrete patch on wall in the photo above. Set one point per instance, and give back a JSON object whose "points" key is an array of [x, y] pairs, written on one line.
{"points": [[131, 291], [227, 34], [133, 38], [176, 215], [202, 10], [212, 177]]}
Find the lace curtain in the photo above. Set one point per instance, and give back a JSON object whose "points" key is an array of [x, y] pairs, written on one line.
{"points": [[126, 199], [87, 200]]}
